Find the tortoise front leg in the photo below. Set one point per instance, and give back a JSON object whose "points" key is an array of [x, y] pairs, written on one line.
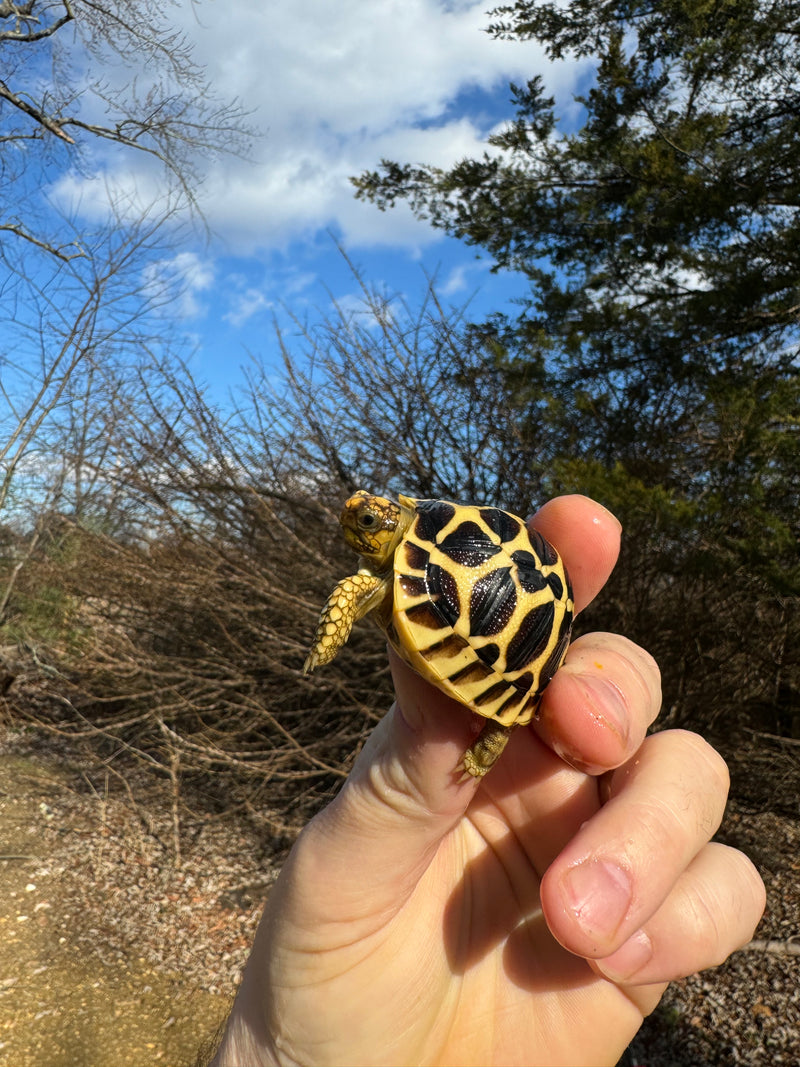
{"points": [[351, 599]]}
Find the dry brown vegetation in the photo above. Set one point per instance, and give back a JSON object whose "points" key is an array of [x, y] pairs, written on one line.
{"points": [[158, 596], [165, 592]]}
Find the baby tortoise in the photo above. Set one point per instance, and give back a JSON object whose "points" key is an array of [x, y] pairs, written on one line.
{"points": [[477, 604]]}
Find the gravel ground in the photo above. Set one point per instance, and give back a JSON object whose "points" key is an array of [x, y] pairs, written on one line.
{"points": [[748, 1010], [111, 953]]}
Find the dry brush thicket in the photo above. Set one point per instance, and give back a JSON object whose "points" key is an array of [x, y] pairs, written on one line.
{"points": [[184, 651], [164, 616]]}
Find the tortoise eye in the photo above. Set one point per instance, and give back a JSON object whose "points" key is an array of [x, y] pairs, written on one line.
{"points": [[368, 520]]}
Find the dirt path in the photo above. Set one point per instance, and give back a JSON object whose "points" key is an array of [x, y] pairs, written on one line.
{"points": [[108, 955], [111, 954]]}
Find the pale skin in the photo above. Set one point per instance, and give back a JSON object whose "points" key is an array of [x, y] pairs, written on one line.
{"points": [[531, 917]]}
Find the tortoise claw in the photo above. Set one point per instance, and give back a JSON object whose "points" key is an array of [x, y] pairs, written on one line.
{"points": [[468, 775]]}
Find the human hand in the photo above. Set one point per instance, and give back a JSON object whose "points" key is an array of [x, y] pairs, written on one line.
{"points": [[533, 916]]}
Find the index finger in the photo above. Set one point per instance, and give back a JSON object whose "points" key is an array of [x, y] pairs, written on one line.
{"points": [[587, 537], [597, 708]]}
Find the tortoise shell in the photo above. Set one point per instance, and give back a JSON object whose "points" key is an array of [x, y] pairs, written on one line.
{"points": [[481, 606], [474, 601]]}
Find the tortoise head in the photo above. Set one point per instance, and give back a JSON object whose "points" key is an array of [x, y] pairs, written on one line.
{"points": [[374, 526]]}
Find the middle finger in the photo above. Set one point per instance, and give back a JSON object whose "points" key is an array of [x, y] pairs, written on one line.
{"points": [[662, 807], [596, 710]]}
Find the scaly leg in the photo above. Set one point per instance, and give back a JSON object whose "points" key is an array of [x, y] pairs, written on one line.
{"points": [[352, 598], [485, 750]]}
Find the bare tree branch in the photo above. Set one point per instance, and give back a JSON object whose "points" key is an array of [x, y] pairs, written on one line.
{"points": [[33, 112], [175, 120], [45, 246], [23, 17]]}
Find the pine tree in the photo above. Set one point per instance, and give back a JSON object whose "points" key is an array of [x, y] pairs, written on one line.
{"points": [[661, 237]]}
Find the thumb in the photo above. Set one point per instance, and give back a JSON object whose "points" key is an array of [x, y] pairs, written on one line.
{"points": [[403, 795], [429, 734]]}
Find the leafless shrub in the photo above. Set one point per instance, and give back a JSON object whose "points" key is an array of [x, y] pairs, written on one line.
{"points": [[186, 615]]}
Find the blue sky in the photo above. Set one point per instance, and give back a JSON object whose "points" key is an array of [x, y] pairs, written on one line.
{"points": [[331, 88]]}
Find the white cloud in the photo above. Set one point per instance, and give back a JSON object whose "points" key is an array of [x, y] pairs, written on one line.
{"points": [[334, 87], [349, 66], [245, 305], [457, 281], [182, 277]]}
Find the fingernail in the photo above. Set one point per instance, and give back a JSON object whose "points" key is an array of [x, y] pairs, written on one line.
{"points": [[628, 960], [606, 514], [607, 704], [598, 893]]}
